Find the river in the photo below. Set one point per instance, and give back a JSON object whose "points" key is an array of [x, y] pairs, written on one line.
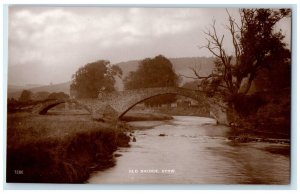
{"points": [[194, 150]]}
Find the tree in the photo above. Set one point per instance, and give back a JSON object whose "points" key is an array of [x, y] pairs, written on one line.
{"points": [[58, 95], [156, 72], [42, 95], [26, 96], [265, 78], [256, 47], [93, 78]]}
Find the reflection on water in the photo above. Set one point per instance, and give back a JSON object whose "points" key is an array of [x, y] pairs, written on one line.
{"points": [[194, 150]]}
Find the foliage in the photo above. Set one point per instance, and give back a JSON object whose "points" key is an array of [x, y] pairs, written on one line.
{"points": [[58, 95], [265, 78], [11, 101], [247, 104], [26, 96], [93, 78], [43, 95], [257, 47], [156, 72]]}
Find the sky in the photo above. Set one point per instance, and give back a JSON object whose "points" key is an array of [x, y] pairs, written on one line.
{"points": [[48, 44]]}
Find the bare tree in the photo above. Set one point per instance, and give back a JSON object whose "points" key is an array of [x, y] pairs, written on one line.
{"points": [[255, 46]]}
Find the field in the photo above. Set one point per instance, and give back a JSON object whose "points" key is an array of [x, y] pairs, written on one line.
{"points": [[60, 148]]}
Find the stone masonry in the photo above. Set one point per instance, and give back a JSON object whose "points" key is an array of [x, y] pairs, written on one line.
{"points": [[113, 105]]}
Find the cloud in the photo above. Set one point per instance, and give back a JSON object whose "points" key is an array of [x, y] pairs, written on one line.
{"points": [[63, 38], [52, 30]]}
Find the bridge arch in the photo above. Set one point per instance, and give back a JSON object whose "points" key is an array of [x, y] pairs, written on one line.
{"points": [[44, 107], [113, 105], [116, 104], [134, 104]]}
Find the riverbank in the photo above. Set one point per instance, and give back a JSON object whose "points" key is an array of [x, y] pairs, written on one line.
{"points": [[255, 131], [246, 138], [168, 111], [60, 148], [162, 113], [236, 134], [140, 116]]}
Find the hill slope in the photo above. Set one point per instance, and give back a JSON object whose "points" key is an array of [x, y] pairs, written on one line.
{"points": [[181, 66], [15, 91]]}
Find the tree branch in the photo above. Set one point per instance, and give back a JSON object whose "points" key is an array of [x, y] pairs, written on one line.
{"points": [[232, 31], [188, 76]]}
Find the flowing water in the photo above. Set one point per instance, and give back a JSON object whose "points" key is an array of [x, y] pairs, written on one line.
{"points": [[194, 150]]}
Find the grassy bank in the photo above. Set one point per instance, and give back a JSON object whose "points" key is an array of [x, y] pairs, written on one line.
{"points": [[59, 148]]}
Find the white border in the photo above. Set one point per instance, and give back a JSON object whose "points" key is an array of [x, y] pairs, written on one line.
{"points": [[3, 71]]}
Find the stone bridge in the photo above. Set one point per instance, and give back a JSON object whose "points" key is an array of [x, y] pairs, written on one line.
{"points": [[113, 105], [43, 107]]}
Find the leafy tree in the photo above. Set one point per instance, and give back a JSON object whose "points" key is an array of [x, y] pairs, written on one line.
{"points": [[41, 95], [58, 95], [26, 96], [93, 78], [11, 101], [257, 47], [156, 72], [265, 80]]}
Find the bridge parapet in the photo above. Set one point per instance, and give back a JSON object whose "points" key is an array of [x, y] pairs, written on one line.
{"points": [[113, 105], [43, 107], [123, 101]]}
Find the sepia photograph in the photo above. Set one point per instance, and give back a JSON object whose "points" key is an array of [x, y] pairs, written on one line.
{"points": [[149, 95]]}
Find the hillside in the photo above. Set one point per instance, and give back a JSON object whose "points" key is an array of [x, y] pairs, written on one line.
{"points": [[16, 88], [181, 66], [15, 91]]}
